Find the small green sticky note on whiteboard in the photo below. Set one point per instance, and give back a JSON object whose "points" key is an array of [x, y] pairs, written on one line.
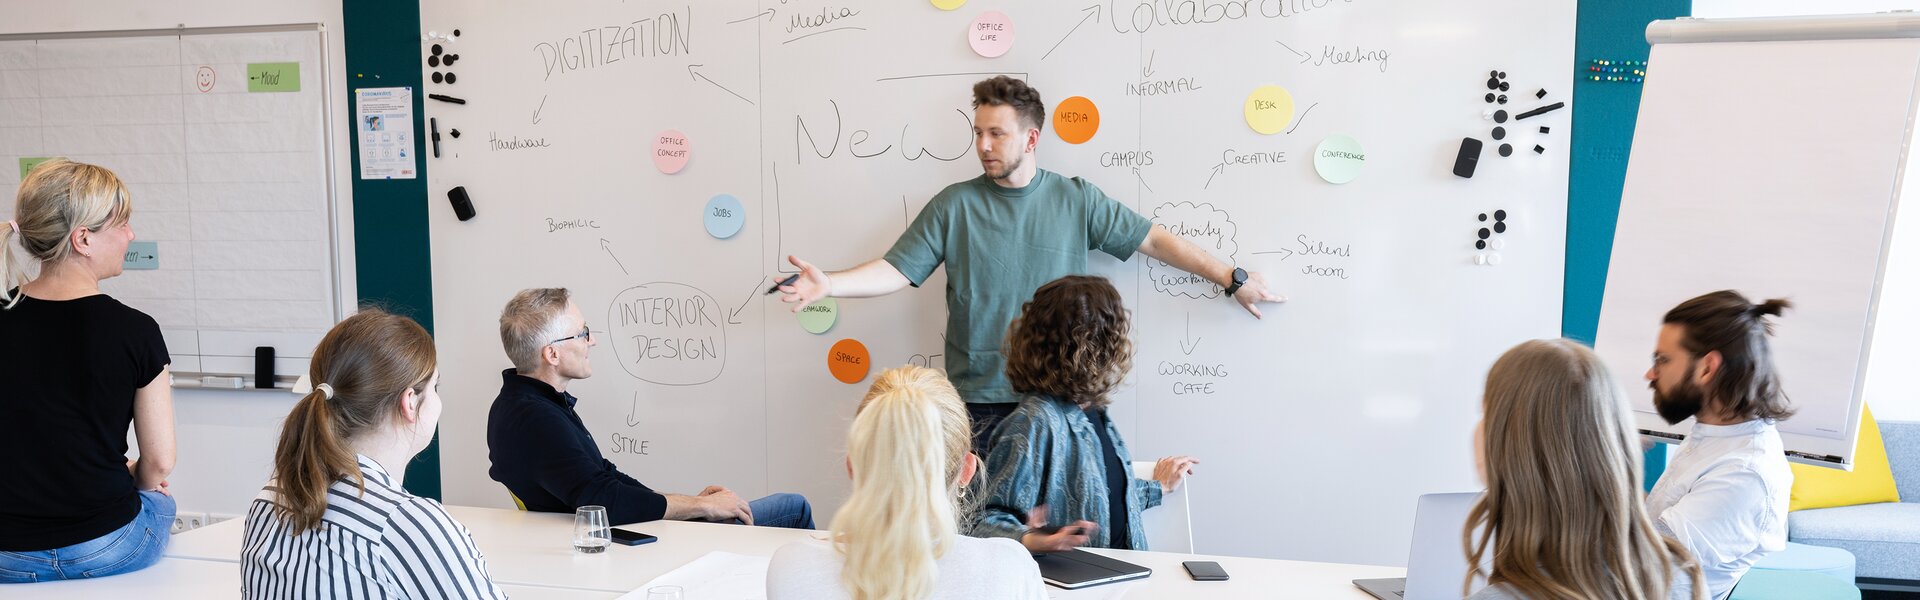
{"points": [[273, 77], [142, 256], [28, 163]]}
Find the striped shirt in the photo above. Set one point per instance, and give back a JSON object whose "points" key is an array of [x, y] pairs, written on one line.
{"points": [[386, 544]]}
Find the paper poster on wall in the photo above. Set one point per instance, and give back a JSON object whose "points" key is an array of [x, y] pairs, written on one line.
{"points": [[384, 119], [29, 162]]}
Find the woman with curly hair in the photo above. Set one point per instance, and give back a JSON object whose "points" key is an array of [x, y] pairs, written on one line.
{"points": [[1059, 475]]}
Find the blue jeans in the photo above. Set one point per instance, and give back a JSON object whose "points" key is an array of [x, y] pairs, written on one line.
{"points": [[781, 510], [130, 548]]}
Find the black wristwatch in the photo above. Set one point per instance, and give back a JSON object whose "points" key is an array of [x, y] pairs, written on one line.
{"points": [[1239, 279]]}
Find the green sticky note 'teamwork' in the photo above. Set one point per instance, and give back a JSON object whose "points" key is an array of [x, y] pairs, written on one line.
{"points": [[273, 77], [28, 163]]}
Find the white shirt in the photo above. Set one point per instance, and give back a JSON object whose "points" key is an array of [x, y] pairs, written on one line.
{"points": [[1724, 496], [974, 568], [385, 544]]}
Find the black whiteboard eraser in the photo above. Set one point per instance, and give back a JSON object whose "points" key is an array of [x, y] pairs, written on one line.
{"points": [[1469, 158], [263, 367], [462, 205]]}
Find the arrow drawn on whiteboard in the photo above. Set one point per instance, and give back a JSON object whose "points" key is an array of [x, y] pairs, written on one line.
{"points": [[1147, 71], [536, 110], [1287, 253], [768, 13], [1303, 117], [1093, 12], [1190, 343], [1304, 57], [692, 74], [1143, 180], [1216, 171], [734, 315], [634, 410], [608, 246]]}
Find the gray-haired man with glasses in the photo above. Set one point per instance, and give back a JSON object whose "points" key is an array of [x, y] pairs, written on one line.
{"points": [[543, 453]]}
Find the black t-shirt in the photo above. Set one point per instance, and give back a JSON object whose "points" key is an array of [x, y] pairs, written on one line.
{"points": [[68, 372], [1119, 484]]}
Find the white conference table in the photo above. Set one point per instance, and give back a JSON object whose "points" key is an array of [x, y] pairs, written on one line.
{"points": [[535, 549], [189, 579]]}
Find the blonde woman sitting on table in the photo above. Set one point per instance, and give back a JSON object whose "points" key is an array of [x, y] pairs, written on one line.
{"points": [[1563, 516], [335, 522], [898, 535]]}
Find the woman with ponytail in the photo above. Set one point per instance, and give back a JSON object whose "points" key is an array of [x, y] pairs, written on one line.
{"points": [[897, 537], [334, 522], [77, 368]]}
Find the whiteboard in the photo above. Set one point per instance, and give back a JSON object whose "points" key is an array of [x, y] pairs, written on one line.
{"points": [[1317, 427], [1732, 186], [233, 187]]}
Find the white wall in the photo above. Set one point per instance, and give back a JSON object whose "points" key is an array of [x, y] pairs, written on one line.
{"points": [[1893, 385], [225, 439]]}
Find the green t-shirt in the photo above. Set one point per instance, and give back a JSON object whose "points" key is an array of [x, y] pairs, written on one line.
{"points": [[1000, 245]]}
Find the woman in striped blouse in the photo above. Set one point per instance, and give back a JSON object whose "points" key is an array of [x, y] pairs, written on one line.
{"points": [[334, 521]]}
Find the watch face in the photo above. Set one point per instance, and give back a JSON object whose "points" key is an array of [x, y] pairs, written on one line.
{"points": [[1239, 275]]}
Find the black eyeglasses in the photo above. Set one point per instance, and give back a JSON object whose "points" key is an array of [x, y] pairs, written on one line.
{"points": [[585, 334]]}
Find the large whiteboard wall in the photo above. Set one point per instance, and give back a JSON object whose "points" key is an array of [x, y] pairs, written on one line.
{"points": [[1322, 422], [233, 186]]}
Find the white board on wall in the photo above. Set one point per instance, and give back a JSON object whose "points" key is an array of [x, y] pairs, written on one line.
{"points": [[834, 124], [1782, 188], [231, 180]]}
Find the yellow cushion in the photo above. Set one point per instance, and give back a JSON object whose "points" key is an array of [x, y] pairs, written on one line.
{"points": [[1871, 480]]}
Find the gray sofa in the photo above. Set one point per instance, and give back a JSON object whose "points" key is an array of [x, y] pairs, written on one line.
{"points": [[1885, 537]]}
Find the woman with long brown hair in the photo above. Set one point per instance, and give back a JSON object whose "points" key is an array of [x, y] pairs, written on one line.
{"points": [[1563, 516], [335, 522], [1058, 461]]}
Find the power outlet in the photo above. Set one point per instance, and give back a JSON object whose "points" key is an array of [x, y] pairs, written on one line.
{"points": [[213, 518], [188, 521]]}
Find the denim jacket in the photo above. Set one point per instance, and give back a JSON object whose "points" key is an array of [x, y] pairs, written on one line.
{"points": [[1047, 452]]}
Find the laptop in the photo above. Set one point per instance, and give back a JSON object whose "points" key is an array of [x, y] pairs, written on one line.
{"points": [[1437, 564], [1075, 569]]}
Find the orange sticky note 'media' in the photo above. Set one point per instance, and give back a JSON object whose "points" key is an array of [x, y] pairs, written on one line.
{"points": [[1076, 119], [848, 361]]}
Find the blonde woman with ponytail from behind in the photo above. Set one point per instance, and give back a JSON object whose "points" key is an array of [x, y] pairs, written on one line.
{"points": [[76, 368], [897, 537], [1563, 518], [334, 522]]}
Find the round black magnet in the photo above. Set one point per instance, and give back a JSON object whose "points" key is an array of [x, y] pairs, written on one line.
{"points": [[1484, 234], [1500, 215], [1499, 227], [1499, 116], [1503, 86], [436, 49], [1479, 244], [449, 77], [1506, 150], [1483, 216], [1499, 133], [1493, 84], [433, 61], [436, 77]]}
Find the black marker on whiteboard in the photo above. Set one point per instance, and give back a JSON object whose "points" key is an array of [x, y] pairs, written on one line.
{"points": [[788, 281]]}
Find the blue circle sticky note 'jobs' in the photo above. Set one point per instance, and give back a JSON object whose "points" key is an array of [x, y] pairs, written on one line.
{"points": [[724, 216]]}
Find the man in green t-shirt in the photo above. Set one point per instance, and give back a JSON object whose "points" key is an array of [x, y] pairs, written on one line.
{"points": [[1002, 235]]}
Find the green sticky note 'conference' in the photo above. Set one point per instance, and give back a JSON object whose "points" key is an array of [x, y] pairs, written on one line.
{"points": [[273, 77]]}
